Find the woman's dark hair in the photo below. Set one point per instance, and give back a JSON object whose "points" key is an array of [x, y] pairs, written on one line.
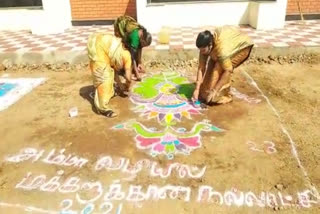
{"points": [[146, 37], [204, 38]]}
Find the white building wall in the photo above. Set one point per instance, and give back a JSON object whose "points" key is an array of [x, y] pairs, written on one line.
{"points": [[55, 17], [267, 15], [16, 19], [262, 15]]}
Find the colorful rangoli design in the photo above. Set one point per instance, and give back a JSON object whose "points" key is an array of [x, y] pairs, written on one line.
{"points": [[11, 90], [168, 141], [166, 96], [5, 88]]}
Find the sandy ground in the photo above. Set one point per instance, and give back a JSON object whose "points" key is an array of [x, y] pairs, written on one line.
{"points": [[237, 159]]}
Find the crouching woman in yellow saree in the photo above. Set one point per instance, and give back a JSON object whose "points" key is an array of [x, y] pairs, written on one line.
{"points": [[107, 57], [220, 53], [135, 37]]}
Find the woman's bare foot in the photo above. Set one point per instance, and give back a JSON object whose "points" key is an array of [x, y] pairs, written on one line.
{"points": [[109, 114]]}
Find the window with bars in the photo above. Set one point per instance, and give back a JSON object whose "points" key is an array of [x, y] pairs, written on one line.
{"points": [[20, 3]]}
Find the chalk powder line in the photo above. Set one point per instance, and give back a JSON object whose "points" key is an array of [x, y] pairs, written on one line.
{"points": [[285, 131]]}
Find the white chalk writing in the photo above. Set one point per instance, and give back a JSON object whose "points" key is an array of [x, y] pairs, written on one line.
{"points": [[59, 159], [268, 147], [264, 199], [105, 208], [123, 164], [107, 163], [91, 192]]}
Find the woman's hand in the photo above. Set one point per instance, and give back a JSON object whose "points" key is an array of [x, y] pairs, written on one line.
{"points": [[211, 96], [141, 68], [195, 95]]}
